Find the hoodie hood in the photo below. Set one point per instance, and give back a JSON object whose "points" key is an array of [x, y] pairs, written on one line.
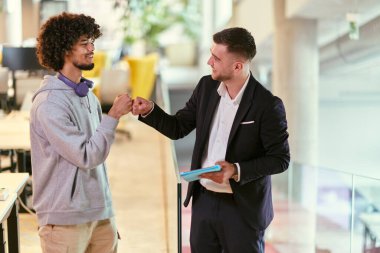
{"points": [[51, 83]]}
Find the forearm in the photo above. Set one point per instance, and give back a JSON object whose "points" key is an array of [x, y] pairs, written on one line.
{"points": [[262, 166], [172, 126], [89, 153], [74, 145]]}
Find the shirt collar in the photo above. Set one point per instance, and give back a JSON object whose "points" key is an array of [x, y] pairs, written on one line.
{"points": [[222, 91]]}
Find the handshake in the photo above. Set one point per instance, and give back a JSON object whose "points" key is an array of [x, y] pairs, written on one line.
{"points": [[123, 104]]}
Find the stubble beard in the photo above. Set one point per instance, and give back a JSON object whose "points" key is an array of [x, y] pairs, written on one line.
{"points": [[84, 67], [219, 77]]}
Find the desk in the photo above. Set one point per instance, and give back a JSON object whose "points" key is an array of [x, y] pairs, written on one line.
{"points": [[14, 131], [15, 183], [14, 134], [371, 222], [6, 208]]}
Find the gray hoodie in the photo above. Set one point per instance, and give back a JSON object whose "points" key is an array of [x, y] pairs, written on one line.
{"points": [[70, 140]]}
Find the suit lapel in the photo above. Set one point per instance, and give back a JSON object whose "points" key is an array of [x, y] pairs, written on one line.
{"points": [[245, 105], [214, 100]]}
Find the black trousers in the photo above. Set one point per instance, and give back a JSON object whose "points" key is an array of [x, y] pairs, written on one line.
{"points": [[218, 227]]}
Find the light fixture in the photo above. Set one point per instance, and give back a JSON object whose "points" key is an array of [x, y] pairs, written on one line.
{"points": [[353, 25]]}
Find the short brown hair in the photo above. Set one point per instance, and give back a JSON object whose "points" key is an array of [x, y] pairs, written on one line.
{"points": [[59, 34], [238, 40]]}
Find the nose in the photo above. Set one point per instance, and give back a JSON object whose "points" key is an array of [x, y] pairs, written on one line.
{"points": [[210, 61], [91, 47]]}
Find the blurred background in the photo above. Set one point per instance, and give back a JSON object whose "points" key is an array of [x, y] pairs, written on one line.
{"points": [[322, 57]]}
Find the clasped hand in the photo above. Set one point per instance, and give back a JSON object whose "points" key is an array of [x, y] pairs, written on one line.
{"points": [[123, 104], [227, 171]]}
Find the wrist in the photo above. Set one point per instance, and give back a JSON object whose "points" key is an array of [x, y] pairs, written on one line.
{"points": [[149, 110], [114, 114], [235, 169], [235, 175]]}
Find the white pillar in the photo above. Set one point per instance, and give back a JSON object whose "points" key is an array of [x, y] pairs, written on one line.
{"points": [[13, 22], [295, 80]]}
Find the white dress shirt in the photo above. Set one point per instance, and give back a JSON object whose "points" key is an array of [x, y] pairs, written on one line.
{"points": [[220, 131]]}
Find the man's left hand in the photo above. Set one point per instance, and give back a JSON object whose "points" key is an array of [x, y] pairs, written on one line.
{"points": [[227, 171]]}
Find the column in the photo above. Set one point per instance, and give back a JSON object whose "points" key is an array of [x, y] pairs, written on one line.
{"points": [[295, 80], [13, 22]]}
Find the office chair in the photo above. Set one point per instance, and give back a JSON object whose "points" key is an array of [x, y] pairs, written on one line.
{"points": [[4, 76], [11, 165], [143, 74]]}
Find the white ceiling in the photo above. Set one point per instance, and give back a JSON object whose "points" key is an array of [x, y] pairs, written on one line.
{"points": [[331, 14]]}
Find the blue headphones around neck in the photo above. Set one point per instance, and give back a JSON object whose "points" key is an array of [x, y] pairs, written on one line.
{"points": [[81, 89]]}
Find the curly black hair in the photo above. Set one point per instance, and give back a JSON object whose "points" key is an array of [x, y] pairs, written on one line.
{"points": [[238, 40], [59, 34]]}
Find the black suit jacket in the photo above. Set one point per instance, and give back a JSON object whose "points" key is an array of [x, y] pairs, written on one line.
{"points": [[261, 148]]}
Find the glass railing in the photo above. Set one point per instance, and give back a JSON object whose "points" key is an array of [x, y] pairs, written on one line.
{"points": [[324, 211], [173, 217]]}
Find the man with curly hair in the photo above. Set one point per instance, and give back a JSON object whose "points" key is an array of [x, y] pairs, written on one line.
{"points": [[70, 141]]}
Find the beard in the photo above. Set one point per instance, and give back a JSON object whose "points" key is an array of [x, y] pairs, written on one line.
{"points": [[219, 77], [84, 67]]}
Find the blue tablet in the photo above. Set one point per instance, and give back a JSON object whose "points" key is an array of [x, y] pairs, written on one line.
{"points": [[194, 174]]}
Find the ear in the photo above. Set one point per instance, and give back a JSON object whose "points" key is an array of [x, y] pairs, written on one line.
{"points": [[238, 66]]}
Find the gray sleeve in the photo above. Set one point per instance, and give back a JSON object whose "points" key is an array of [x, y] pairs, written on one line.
{"points": [[64, 136]]}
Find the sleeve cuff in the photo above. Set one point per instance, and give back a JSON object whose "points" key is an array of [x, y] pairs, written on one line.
{"points": [[147, 114], [237, 177], [109, 122]]}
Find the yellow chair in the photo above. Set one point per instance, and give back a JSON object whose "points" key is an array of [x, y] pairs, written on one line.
{"points": [[142, 75], [100, 60]]}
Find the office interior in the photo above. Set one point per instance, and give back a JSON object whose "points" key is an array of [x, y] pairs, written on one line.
{"points": [[322, 57]]}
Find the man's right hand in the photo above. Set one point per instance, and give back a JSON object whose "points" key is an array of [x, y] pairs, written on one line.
{"points": [[141, 106], [121, 106]]}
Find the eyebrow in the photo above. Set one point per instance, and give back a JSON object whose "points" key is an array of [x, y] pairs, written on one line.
{"points": [[214, 55], [87, 39]]}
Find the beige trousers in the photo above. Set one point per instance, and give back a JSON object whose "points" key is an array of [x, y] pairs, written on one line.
{"points": [[92, 237]]}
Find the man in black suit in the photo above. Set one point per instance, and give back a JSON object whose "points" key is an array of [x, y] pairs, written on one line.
{"points": [[242, 127]]}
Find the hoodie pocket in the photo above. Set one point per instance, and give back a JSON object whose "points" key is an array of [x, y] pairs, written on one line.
{"points": [[74, 186], [79, 198]]}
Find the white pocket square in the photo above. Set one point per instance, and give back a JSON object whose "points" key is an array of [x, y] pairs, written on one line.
{"points": [[247, 122]]}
